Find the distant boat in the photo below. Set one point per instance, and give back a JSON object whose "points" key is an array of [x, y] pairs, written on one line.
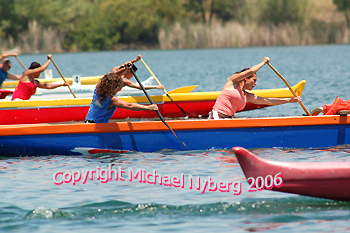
{"points": [[80, 91], [86, 91], [316, 179], [89, 80]]}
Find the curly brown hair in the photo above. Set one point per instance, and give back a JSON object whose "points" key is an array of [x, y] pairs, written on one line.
{"points": [[109, 85]]}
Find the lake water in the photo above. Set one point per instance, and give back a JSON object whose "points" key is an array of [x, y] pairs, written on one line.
{"points": [[31, 202]]}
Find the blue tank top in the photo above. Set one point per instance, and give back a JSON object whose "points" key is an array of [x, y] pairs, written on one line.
{"points": [[3, 76], [98, 112]]}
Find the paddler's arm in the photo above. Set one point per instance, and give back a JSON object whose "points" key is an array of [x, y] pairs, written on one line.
{"points": [[6, 55], [131, 106], [237, 77], [126, 63], [50, 85], [38, 70], [253, 98], [120, 70], [14, 76]]}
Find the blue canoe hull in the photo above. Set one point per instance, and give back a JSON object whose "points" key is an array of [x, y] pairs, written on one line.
{"points": [[38, 140]]}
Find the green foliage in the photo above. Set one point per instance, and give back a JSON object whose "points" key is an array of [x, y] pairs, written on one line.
{"points": [[282, 11], [141, 20], [344, 6], [7, 18], [194, 9], [229, 10], [89, 31], [112, 24]]}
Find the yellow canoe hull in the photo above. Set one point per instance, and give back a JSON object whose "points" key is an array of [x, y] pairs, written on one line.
{"points": [[178, 95]]}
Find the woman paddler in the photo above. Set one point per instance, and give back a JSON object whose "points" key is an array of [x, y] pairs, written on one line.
{"points": [[234, 97], [28, 83], [105, 101], [127, 75]]}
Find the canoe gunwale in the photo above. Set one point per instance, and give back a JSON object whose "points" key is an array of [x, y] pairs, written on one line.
{"points": [[177, 125]]}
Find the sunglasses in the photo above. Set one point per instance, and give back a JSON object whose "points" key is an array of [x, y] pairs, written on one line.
{"points": [[8, 65]]}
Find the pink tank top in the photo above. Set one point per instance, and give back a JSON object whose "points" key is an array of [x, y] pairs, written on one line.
{"points": [[24, 90], [230, 101]]}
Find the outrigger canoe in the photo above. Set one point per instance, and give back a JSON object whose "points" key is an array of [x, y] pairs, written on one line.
{"points": [[196, 105], [153, 136], [316, 179], [90, 80], [80, 91]]}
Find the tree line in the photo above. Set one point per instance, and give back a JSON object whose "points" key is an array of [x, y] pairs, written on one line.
{"points": [[86, 25]]}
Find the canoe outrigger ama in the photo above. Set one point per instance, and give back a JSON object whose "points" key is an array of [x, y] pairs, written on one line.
{"points": [[316, 179]]}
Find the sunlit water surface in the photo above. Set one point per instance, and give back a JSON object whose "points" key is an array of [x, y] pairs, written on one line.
{"points": [[31, 202]]}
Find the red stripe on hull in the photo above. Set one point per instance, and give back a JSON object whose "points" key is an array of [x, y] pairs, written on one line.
{"points": [[194, 109]]}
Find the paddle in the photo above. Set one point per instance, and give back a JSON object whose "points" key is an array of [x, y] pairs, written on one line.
{"points": [[16, 51], [62, 76], [21, 63], [150, 100], [290, 88], [150, 71], [185, 89]]}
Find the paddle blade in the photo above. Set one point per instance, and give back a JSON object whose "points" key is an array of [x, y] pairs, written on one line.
{"points": [[186, 89]]}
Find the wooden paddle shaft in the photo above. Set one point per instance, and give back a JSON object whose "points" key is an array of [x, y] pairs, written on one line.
{"points": [[157, 111], [290, 88], [21, 63], [62, 77], [154, 76]]}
